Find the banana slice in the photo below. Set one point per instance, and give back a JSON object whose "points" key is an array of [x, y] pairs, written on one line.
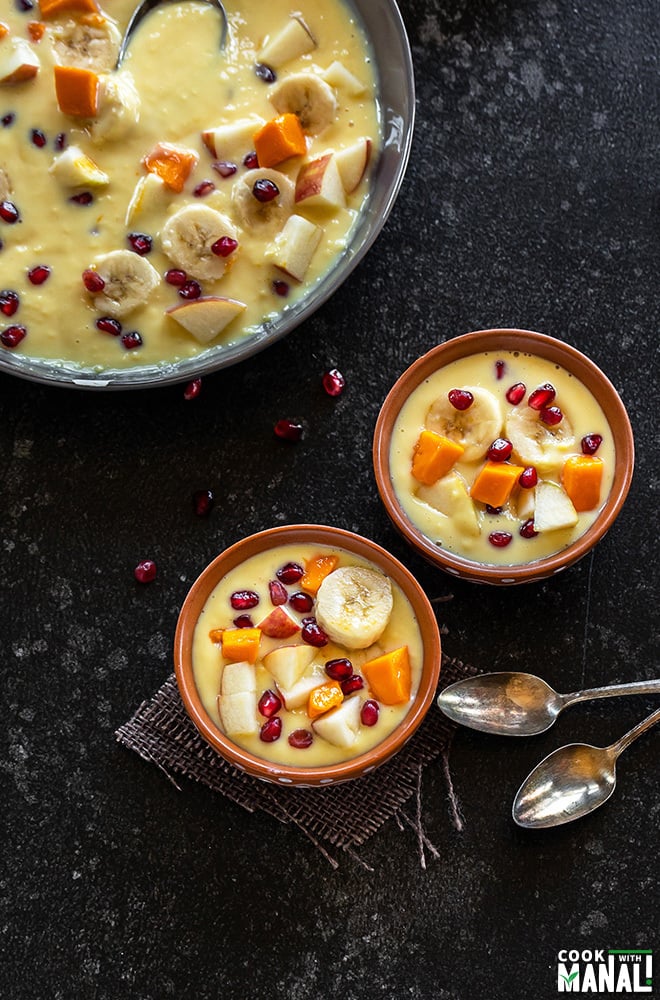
{"points": [[6, 188], [188, 236], [534, 443], [475, 428], [270, 214], [307, 96], [118, 107], [353, 605], [91, 42], [129, 280]]}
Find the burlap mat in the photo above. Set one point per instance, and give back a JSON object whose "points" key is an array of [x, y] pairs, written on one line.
{"points": [[344, 816]]}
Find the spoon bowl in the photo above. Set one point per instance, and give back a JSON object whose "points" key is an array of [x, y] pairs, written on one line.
{"points": [[146, 6]]}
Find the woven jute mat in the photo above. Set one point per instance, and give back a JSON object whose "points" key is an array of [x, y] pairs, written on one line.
{"points": [[345, 815]]}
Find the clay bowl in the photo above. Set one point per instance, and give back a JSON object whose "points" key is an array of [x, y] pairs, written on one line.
{"points": [[556, 352], [304, 534]]}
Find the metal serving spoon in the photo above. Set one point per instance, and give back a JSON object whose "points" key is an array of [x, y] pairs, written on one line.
{"points": [[519, 704], [147, 6], [572, 781]]}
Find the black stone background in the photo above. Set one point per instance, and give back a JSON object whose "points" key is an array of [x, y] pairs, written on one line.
{"points": [[531, 200]]}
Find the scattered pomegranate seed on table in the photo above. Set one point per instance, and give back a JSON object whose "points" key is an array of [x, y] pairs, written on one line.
{"points": [[301, 602], [193, 389], [551, 416], [271, 730], [9, 213], [313, 634], [300, 739], [528, 478], [542, 396], [516, 393], [145, 571], [37, 275], [265, 190], [269, 704], [500, 539], [265, 73], [38, 138], [590, 443], [351, 684], [500, 368], [460, 399], [224, 247], [527, 529], [369, 712], [11, 336], [500, 450], [243, 621], [131, 340], [243, 600], [9, 302], [108, 324], [334, 382], [190, 289], [203, 502], [140, 243], [277, 591], [288, 430], [290, 573], [224, 168], [340, 669], [280, 287]]}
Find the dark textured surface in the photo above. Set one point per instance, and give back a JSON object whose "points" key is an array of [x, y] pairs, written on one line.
{"points": [[531, 201]]}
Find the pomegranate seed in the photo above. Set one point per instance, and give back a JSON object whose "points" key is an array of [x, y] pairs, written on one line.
{"points": [[203, 502], [500, 368], [84, 198], [500, 450], [108, 324], [8, 212], [290, 573], [334, 382], [278, 594], [60, 141], [351, 684], [265, 73], [313, 634], [8, 119], [551, 415], [493, 510], [11, 336], [590, 443], [460, 399], [243, 621], [516, 393], [250, 161], [25, 5], [243, 600], [265, 190], [281, 288], [527, 529], [39, 274], [542, 396], [9, 302], [288, 430], [203, 189], [500, 539], [145, 571], [190, 289], [271, 730], [301, 602], [140, 243], [300, 739], [92, 280], [224, 168], [269, 703], [176, 277], [131, 340], [38, 138], [193, 389], [340, 669], [528, 478], [224, 247], [369, 712]]}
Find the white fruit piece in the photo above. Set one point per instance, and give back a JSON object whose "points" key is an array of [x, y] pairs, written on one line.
{"points": [[129, 281], [340, 726], [293, 40], [449, 495], [232, 140], [118, 107], [352, 163], [338, 76], [238, 677], [18, 61], [188, 237], [266, 215], [238, 713], [93, 45], [525, 503], [298, 694], [149, 193], [287, 664], [73, 168], [319, 184], [294, 247], [207, 316], [279, 624], [307, 96], [474, 429], [534, 442], [353, 605], [554, 509]]}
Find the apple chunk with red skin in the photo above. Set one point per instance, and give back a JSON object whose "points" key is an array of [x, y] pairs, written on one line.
{"points": [[352, 163], [293, 247], [17, 61], [279, 624], [319, 184], [207, 316]]}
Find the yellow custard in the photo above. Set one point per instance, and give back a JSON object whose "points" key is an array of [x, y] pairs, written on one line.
{"points": [[175, 87], [400, 631], [448, 511]]}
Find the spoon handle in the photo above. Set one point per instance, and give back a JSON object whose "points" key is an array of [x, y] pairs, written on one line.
{"points": [[612, 690], [651, 720]]}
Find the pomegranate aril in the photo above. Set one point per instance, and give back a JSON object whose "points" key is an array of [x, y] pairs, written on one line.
{"points": [[551, 416], [37, 275], [500, 539], [265, 73], [243, 600], [271, 730], [590, 443], [176, 277], [269, 704], [38, 138], [224, 247], [203, 189], [313, 634], [493, 510], [301, 602], [351, 684], [243, 621], [108, 324], [542, 396], [145, 571], [527, 529], [516, 393], [25, 5], [278, 594], [131, 340], [140, 243], [9, 302], [250, 161], [60, 141], [8, 212], [334, 382], [291, 572], [11, 336], [203, 502], [281, 288], [340, 669], [224, 168], [500, 368], [288, 430], [460, 399], [193, 389], [500, 450], [528, 478], [369, 712], [93, 281], [265, 190], [190, 289], [84, 198], [8, 119], [300, 739]]}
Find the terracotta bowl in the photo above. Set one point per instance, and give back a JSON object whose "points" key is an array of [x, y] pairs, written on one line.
{"points": [[492, 341], [304, 534]]}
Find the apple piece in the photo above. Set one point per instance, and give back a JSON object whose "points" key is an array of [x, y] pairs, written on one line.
{"points": [[338, 76], [554, 509], [149, 193], [207, 316], [340, 726], [525, 503], [449, 495], [352, 163], [294, 246], [73, 168], [238, 713], [18, 61], [232, 140], [238, 678], [298, 694], [319, 184], [287, 664], [279, 624], [295, 39]]}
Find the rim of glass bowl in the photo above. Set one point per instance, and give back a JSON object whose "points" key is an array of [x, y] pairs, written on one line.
{"points": [[380, 19]]}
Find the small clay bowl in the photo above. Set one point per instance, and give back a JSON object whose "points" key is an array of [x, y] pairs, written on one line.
{"points": [[305, 534], [541, 346]]}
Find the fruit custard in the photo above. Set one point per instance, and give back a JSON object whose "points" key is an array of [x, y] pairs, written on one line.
{"points": [[502, 458], [307, 655], [225, 185]]}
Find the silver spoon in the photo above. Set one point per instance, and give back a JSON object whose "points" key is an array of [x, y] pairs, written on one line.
{"points": [[519, 704], [147, 6], [572, 781]]}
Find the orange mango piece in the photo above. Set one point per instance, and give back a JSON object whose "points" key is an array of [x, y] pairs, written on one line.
{"points": [[172, 164], [36, 30], [389, 676], [494, 483], [581, 477], [241, 644], [77, 91], [279, 139], [4, 29], [215, 634], [433, 457], [54, 8], [316, 571], [323, 698]]}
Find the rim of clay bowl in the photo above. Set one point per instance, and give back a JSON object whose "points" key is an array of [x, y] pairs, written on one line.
{"points": [[551, 349], [303, 534]]}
